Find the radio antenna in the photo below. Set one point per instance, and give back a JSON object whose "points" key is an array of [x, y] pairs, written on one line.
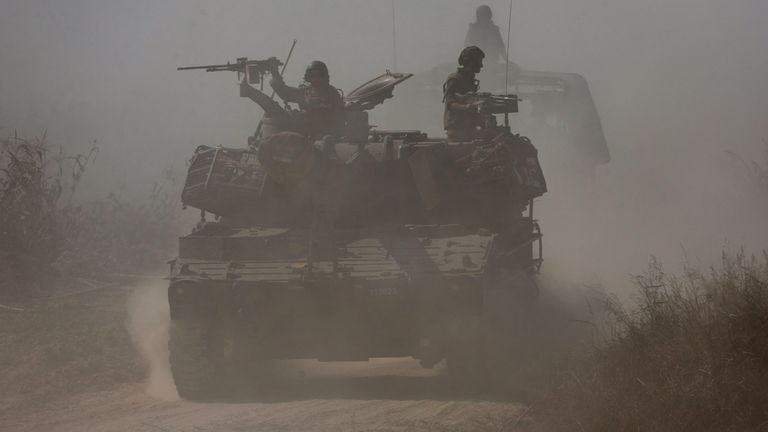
{"points": [[506, 77], [285, 65], [272, 96], [394, 39]]}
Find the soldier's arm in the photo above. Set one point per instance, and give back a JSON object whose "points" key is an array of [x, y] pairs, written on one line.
{"points": [[454, 100], [286, 92], [270, 107]]}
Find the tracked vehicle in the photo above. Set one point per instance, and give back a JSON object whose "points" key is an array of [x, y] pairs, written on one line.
{"points": [[376, 243]]}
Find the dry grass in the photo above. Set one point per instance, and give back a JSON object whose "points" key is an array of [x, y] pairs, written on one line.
{"points": [[117, 235], [43, 231], [692, 356], [52, 347], [31, 191]]}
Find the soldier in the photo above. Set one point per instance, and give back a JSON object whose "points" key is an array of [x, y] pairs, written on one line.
{"points": [[461, 119], [320, 103], [485, 34]]}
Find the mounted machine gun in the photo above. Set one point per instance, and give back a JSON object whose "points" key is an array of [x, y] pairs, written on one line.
{"points": [[252, 70]]}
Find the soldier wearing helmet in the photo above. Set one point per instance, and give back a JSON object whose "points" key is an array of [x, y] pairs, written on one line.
{"points": [[486, 35], [462, 120], [320, 103]]}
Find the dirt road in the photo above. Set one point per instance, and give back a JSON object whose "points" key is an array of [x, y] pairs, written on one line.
{"points": [[98, 362], [351, 397]]}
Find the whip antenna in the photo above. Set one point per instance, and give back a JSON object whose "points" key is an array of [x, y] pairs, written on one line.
{"points": [[285, 65], [506, 77], [272, 96], [394, 39]]}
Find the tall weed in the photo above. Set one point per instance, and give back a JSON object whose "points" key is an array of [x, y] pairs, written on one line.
{"points": [[44, 230], [691, 356]]}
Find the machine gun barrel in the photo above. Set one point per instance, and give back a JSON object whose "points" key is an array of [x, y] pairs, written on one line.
{"points": [[213, 68], [254, 70]]}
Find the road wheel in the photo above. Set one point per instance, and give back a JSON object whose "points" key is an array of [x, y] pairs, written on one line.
{"points": [[203, 361]]}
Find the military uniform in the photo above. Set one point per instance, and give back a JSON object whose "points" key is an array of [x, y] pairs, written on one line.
{"points": [[461, 119], [486, 35], [461, 122], [322, 106]]}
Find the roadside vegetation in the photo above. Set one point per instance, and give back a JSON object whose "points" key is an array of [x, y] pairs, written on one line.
{"points": [[63, 300], [45, 232], [692, 355]]}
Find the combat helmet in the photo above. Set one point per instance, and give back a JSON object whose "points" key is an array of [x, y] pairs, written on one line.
{"points": [[483, 13], [470, 52], [316, 65]]}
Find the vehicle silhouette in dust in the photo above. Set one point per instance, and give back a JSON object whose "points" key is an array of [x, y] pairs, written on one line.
{"points": [[375, 243]]}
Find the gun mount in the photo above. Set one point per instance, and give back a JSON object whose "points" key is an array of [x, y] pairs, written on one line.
{"points": [[492, 103]]}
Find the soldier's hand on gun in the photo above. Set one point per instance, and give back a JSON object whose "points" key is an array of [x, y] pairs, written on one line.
{"points": [[475, 106], [274, 69]]}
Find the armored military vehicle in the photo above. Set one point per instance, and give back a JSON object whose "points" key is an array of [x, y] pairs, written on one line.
{"points": [[375, 243]]}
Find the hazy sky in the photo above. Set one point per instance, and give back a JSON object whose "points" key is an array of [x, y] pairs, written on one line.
{"points": [[677, 83], [106, 69]]}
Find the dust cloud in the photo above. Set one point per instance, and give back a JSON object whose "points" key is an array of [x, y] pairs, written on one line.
{"points": [[148, 322], [678, 85]]}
